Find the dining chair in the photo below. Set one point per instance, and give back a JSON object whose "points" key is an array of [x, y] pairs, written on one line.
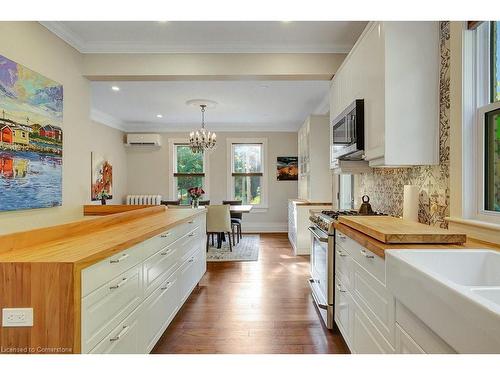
{"points": [[236, 218], [219, 221]]}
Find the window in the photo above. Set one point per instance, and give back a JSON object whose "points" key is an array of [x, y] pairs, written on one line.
{"points": [[248, 176], [189, 171], [482, 101]]}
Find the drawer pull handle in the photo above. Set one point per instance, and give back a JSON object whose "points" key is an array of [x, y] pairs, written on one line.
{"points": [[365, 254], [124, 280], [165, 252], [119, 336], [123, 257], [166, 286], [341, 254], [191, 260], [341, 236], [191, 222], [165, 235], [192, 235], [340, 288]]}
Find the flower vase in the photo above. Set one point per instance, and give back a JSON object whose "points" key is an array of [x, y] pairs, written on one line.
{"points": [[195, 203], [103, 201]]}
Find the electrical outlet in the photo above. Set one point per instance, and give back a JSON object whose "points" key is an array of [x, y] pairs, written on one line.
{"points": [[17, 317]]}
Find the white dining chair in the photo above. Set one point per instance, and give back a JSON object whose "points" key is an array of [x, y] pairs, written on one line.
{"points": [[219, 221]]}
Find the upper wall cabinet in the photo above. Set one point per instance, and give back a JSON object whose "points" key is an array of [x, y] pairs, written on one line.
{"points": [[394, 67]]}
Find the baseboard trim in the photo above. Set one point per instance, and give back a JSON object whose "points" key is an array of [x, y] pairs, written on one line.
{"points": [[273, 227]]}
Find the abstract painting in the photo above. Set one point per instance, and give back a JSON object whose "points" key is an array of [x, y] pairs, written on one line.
{"points": [[287, 168], [31, 138], [102, 178]]}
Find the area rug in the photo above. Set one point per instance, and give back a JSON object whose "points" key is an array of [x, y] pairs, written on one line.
{"points": [[247, 250]]}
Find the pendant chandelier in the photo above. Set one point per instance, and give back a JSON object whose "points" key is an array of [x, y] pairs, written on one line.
{"points": [[202, 140]]}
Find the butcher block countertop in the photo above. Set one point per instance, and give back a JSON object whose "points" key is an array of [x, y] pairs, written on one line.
{"points": [[394, 230], [379, 248], [86, 242]]}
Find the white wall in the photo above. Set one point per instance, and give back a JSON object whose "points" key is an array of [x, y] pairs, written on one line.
{"points": [[148, 174], [32, 45]]}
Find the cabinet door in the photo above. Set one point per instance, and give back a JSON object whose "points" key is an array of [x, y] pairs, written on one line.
{"points": [[405, 344], [187, 277], [158, 310]]}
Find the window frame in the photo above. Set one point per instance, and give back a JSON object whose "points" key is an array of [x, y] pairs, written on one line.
{"points": [[476, 94], [172, 150], [230, 142]]}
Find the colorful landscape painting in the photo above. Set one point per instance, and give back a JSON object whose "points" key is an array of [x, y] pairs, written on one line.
{"points": [[102, 178], [31, 138], [287, 168]]}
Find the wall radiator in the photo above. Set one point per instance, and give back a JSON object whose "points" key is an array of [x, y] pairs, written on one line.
{"points": [[144, 199]]}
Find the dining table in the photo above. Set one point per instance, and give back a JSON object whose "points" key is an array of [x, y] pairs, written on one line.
{"points": [[240, 208]]}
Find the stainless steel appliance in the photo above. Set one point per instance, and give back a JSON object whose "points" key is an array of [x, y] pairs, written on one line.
{"points": [[347, 134], [323, 261]]}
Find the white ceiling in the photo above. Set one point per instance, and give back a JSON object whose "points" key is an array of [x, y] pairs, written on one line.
{"points": [[242, 105], [208, 36]]}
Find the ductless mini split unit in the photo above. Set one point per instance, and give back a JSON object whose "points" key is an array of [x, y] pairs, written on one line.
{"points": [[143, 140]]}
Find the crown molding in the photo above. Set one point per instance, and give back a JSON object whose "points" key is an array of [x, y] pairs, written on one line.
{"points": [[105, 119], [146, 47], [217, 127], [65, 34]]}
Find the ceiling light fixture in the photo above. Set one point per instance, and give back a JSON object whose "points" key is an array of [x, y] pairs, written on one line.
{"points": [[115, 88], [202, 140], [159, 115]]}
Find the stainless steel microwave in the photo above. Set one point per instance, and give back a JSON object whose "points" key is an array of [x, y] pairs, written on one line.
{"points": [[347, 134]]}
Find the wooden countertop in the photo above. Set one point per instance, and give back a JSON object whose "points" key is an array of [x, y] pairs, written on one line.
{"points": [[389, 229], [379, 248], [86, 242]]}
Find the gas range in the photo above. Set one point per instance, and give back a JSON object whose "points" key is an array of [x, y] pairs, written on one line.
{"points": [[324, 220]]}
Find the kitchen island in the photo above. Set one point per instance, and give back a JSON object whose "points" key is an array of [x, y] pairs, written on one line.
{"points": [[105, 284]]}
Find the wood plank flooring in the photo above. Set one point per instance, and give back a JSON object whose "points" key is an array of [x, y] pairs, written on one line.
{"points": [[261, 307]]}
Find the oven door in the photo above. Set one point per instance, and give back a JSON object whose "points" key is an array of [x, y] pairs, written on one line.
{"points": [[319, 266]]}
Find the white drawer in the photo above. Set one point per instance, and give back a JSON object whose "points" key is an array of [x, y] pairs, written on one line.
{"points": [[405, 344], [104, 308], [365, 336], [343, 268], [344, 311], [124, 339], [375, 300], [168, 237], [158, 310], [161, 265], [100, 273], [371, 262]]}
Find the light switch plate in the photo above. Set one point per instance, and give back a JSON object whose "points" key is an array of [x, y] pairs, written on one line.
{"points": [[17, 317]]}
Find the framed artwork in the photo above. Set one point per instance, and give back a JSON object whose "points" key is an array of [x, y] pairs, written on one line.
{"points": [[102, 178], [287, 168], [31, 138]]}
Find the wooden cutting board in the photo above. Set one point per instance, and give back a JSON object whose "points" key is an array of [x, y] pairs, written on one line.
{"points": [[390, 229]]}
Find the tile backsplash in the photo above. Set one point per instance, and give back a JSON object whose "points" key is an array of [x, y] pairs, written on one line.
{"points": [[385, 185]]}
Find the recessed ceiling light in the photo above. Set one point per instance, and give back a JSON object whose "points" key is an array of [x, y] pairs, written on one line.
{"points": [[115, 88], [264, 86], [159, 115]]}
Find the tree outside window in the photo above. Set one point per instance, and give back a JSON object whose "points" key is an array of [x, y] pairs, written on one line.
{"points": [[189, 171], [247, 173]]}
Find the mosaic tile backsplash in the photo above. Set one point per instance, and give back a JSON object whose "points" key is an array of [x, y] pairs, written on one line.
{"points": [[385, 185]]}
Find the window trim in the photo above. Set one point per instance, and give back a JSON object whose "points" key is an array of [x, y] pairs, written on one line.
{"points": [[476, 102], [172, 188], [264, 204]]}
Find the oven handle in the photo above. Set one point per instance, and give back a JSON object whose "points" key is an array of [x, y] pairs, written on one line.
{"points": [[320, 305], [318, 236]]}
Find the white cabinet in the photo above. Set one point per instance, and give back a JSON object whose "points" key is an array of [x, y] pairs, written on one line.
{"points": [[314, 167], [364, 309], [370, 319], [158, 311], [298, 224], [394, 67], [128, 312]]}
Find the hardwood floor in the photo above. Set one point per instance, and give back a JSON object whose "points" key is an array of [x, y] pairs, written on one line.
{"points": [[253, 307]]}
